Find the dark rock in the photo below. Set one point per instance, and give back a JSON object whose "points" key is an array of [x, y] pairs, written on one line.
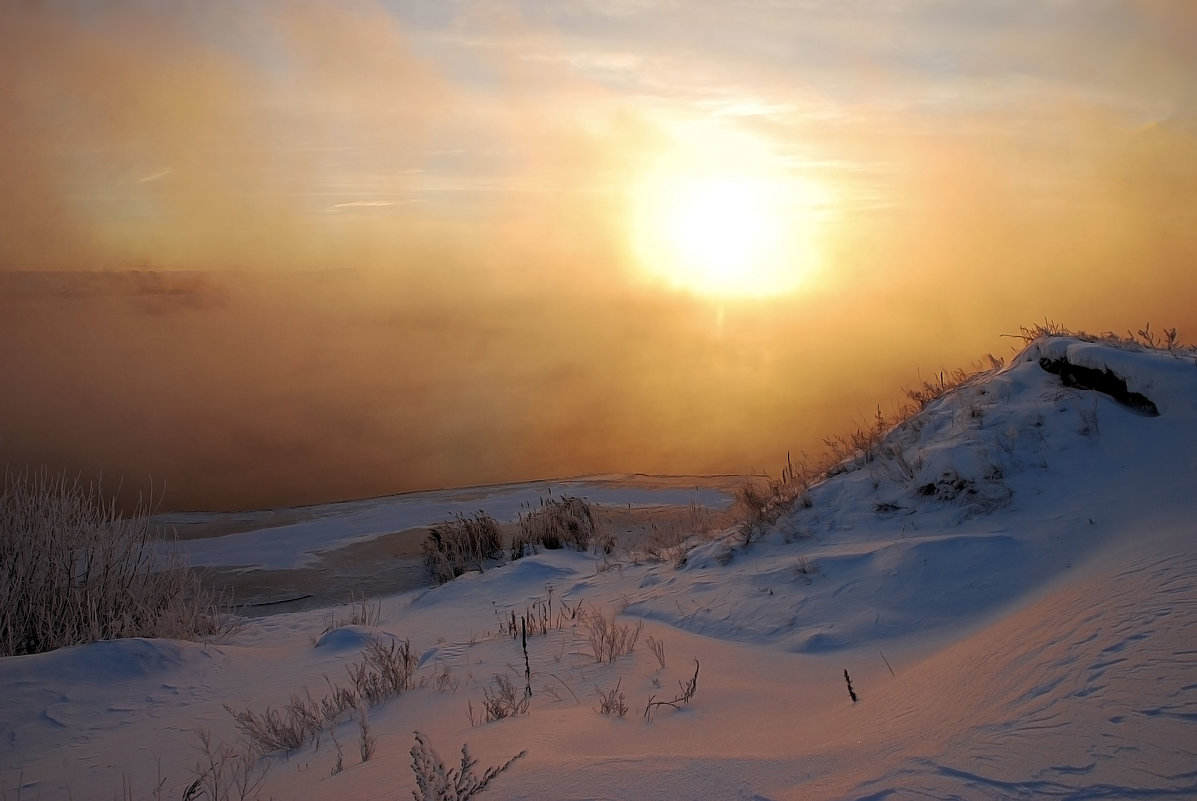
{"points": [[1104, 381]]}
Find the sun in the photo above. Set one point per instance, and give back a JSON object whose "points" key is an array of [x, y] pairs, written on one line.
{"points": [[722, 231], [721, 217]]}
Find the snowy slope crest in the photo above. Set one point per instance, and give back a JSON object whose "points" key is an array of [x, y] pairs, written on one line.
{"points": [[992, 490]]}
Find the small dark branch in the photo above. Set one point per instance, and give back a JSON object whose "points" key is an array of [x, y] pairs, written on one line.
{"points": [[684, 696], [527, 665], [886, 661], [848, 679], [1171, 342], [1148, 338]]}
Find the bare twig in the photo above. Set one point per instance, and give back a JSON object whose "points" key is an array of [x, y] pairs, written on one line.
{"points": [[684, 696]]}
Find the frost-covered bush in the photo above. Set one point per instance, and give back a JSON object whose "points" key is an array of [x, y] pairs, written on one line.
{"points": [[435, 782], [74, 570]]}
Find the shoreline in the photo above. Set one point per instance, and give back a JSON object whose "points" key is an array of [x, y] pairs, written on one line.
{"points": [[392, 563]]}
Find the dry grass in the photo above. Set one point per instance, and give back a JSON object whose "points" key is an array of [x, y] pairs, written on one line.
{"points": [[281, 730], [555, 524], [611, 702], [362, 612], [668, 542], [657, 647], [461, 544], [502, 700], [764, 499], [930, 391], [539, 618], [225, 773], [383, 672], [1169, 340], [366, 742], [73, 570], [608, 639]]}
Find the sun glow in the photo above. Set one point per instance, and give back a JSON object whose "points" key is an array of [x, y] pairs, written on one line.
{"points": [[721, 216]]}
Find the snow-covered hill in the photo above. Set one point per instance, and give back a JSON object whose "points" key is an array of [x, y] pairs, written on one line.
{"points": [[1008, 580]]}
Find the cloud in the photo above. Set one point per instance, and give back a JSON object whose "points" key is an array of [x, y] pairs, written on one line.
{"points": [[190, 135]]}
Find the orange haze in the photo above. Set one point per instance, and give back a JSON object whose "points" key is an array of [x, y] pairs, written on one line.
{"points": [[379, 252]]}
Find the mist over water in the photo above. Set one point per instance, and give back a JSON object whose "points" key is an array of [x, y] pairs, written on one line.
{"points": [[234, 391], [248, 391]]}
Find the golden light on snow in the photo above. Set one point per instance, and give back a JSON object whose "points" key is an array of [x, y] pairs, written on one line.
{"points": [[720, 215]]}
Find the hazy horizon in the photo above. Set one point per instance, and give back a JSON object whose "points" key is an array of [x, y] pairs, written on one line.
{"points": [[441, 244]]}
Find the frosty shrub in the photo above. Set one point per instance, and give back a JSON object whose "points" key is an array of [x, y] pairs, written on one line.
{"points": [[74, 570], [435, 782], [555, 524], [463, 543]]}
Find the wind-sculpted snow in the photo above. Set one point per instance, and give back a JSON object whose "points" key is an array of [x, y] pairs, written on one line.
{"points": [[1089, 693], [90, 690], [105, 661], [353, 638], [872, 592]]}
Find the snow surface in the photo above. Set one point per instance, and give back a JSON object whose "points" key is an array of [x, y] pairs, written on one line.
{"points": [[1012, 596]]}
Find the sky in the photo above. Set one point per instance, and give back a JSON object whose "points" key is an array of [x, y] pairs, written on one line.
{"points": [[441, 243]]}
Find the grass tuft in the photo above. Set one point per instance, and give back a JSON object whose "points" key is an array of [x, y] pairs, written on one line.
{"points": [[463, 543], [763, 500], [555, 524], [498, 702], [608, 639], [362, 612], [612, 702], [225, 773], [383, 672]]}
